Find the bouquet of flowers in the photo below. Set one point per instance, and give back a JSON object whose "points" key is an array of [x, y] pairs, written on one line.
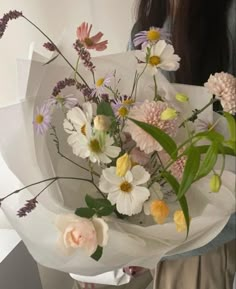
{"points": [[129, 167]]}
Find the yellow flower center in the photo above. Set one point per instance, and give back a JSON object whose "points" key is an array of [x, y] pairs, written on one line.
{"points": [[123, 111], [39, 118], [88, 41], [154, 60], [126, 187], [128, 101], [60, 98], [83, 129], [100, 82], [95, 146], [153, 35]]}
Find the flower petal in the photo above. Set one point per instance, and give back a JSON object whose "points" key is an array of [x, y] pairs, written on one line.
{"points": [[140, 175], [101, 228], [110, 175]]}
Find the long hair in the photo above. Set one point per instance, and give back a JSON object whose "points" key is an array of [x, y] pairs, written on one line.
{"points": [[199, 34]]}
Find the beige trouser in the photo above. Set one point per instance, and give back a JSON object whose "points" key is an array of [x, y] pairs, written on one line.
{"points": [[214, 270]]}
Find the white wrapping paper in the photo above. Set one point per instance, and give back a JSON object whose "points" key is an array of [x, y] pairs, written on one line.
{"points": [[32, 158]]}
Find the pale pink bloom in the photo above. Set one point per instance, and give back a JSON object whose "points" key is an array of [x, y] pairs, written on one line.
{"points": [[42, 119], [223, 86], [90, 42], [139, 157], [77, 232], [150, 112], [177, 168]]}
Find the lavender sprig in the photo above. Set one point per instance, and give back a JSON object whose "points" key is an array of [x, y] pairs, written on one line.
{"points": [[11, 15], [28, 208], [84, 55], [63, 84]]}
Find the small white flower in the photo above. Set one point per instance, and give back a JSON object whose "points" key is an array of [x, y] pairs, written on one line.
{"points": [[97, 147], [161, 55], [126, 192], [156, 194], [78, 121]]}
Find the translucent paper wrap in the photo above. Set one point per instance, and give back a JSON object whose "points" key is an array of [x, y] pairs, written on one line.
{"points": [[32, 158]]}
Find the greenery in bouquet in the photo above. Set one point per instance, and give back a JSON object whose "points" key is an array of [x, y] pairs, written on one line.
{"points": [[130, 147]]}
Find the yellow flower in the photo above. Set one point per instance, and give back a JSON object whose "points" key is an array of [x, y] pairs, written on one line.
{"points": [[168, 114], [102, 123], [159, 210], [123, 164], [180, 221], [215, 183], [181, 97]]}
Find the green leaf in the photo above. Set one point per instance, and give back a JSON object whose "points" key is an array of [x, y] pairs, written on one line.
{"points": [[211, 135], [85, 212], [106, 211], [172, 181], [231, 125], [227, 150], [182, 201], [51, 60], [104, 108], [208, 162], [98, 253], [103, 203], [90, 201], [190, 170], [160, 136], [184, 206], [231, 145]]}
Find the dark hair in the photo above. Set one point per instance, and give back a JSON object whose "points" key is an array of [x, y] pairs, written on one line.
{"points": [[199, 34]]}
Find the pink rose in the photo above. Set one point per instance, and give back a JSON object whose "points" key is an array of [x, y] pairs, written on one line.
{"points": [[77, 232]]}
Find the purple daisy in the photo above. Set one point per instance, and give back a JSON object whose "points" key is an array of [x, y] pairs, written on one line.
{"points": [[68, 101], [152, 36], [42, 119]]}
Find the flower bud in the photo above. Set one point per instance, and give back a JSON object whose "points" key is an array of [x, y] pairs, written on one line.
{"points": [[215, 183], [102, 123], [179, 220], [169, 114], [123, 164], [181, 97], [159, 210]]}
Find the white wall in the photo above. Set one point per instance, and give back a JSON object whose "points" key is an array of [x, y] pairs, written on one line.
{"points": [[112, 17]]}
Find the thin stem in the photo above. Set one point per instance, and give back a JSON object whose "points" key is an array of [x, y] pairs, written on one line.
{"points": [[156, 96], [58, 50], [197, 112], [45, 180]]}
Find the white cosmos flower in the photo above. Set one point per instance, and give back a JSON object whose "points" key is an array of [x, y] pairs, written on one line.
{"points": [[79, 120], [97, 147], [160, 55], [126, 192], [156, 194]]}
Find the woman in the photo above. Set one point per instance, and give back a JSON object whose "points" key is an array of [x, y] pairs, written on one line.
{"points": [[203, 33]]}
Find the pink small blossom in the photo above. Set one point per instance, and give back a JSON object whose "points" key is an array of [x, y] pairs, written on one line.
{"points": [[90, 42], [139, 157], [77, 232], [223, 86], [150, 112]]}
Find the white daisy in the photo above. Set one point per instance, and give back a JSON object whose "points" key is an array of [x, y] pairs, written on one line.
{"points": [[156, 194], [126, 192], [97, 147], [160, 55], [78, 121]]}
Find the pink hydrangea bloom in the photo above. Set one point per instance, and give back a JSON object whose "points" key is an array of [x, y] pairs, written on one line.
{"points": [[150, 112], [90, 42], [223, 86]]}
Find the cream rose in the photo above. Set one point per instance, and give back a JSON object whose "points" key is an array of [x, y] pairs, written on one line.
{"points": [[77, 232]]}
